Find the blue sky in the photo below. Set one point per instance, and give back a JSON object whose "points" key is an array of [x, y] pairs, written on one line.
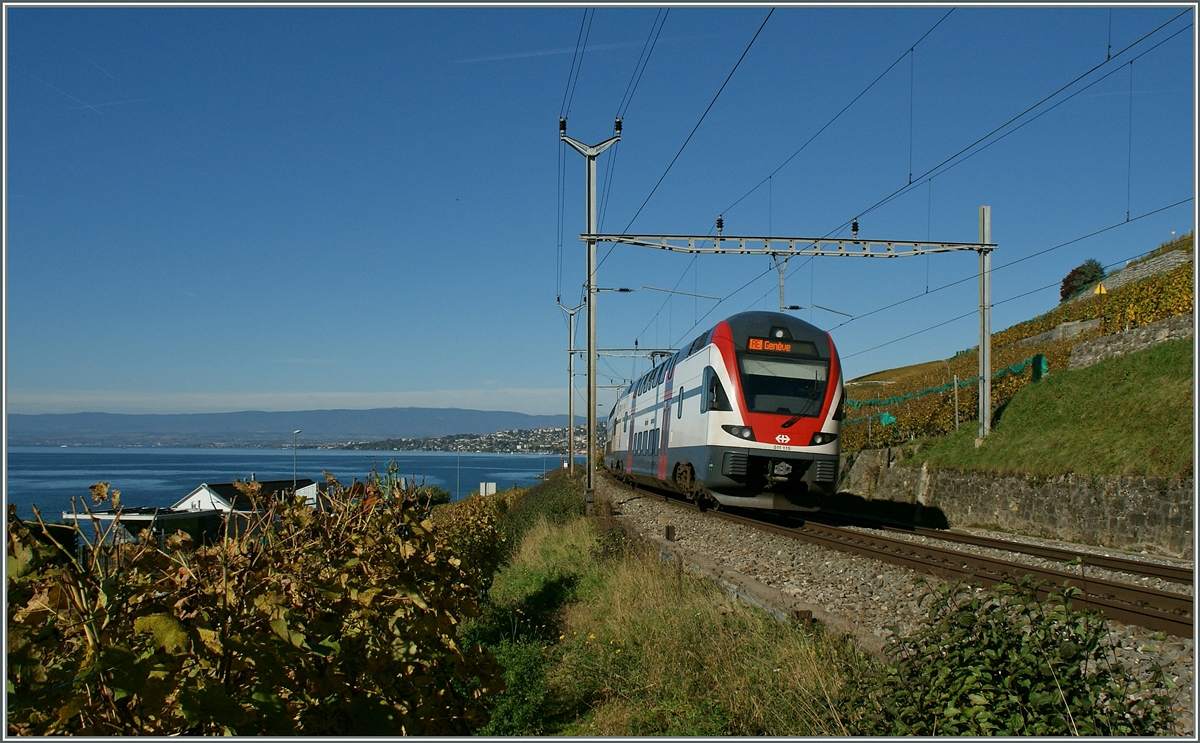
{"points": [[224, 208]]}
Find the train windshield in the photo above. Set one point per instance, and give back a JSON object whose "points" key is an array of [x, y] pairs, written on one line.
{"points": [[788, 386]]}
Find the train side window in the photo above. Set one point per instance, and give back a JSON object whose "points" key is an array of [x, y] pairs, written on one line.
{"points": [[713, 395]]}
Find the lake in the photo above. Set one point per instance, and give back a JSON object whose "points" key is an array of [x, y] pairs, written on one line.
{"points": [[50, 476]]}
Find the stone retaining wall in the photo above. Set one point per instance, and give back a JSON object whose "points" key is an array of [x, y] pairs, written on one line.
{"points": [[1059, 332], [1156, 265], [1152, 515], [1135, 339]]}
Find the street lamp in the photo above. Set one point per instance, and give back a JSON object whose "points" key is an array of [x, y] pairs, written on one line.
{"points": [[294, 435]]}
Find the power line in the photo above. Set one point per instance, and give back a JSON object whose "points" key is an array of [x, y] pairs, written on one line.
{"points": [[698, 123], [718, 304], [939, 169], [689, 137], [564, 111], [641, 65], [943, 166], [1016, 297], [634, 79], [669, 297], [1014, 262], [839, 113], [577, 61], [930, 173], [794, 154]]}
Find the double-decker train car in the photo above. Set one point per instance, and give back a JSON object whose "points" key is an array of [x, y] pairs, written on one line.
{"points": [[748, 414]]}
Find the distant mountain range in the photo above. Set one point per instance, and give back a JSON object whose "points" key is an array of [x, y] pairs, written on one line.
{"points": [[258, 428]]}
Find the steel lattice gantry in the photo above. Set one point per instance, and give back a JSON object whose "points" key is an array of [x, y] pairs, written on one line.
{"points": [[785, 247]]}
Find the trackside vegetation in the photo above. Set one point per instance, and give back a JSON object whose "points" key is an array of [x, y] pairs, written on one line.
{"points": [[510, 614], [598, 636], [299, 621]]}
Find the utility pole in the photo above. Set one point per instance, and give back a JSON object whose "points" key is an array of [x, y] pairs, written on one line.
{"points": [[570, 385], [591, 153], [985, 324]]}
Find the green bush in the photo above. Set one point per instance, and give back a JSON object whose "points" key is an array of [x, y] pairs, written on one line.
{"points": [[557, 500], [520, 708], [1006, 663]]}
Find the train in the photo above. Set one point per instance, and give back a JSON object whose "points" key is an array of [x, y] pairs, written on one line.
{"points": [[748, 414]]}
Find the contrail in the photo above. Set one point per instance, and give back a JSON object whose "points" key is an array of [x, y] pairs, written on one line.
{"points": [[85, 105], [547, 52], [98, 67], [114, 103]]}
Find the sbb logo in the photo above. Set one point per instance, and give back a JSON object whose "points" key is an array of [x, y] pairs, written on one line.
{"points": [[783, 438]]}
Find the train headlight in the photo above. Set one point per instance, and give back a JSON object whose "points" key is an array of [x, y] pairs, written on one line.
{"points": [[742, 432], [822, 438]]}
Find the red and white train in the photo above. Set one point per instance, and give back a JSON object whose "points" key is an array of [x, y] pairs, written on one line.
{"points": [[746, 415]]}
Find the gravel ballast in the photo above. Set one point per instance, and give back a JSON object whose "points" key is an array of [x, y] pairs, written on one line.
{"points": [[868, 598]]}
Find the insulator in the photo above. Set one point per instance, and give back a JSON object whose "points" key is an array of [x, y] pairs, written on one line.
{"points": [[720, 223], [854, 228], [617, 125], [562, 125]]}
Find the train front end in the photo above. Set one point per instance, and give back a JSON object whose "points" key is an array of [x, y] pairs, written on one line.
{"points": [[774, 398]]}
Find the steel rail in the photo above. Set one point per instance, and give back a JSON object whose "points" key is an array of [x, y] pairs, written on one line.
{"points": [[1174, 573], [1150, 608], [1145, 607]]}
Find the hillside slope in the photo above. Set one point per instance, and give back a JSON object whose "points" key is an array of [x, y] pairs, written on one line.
{"points": [[1129, 416]]}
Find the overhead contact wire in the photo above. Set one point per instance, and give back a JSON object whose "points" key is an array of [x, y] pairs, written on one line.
{"points": [[954, 160], [1014, 262], [839, 113], [698, 123]]}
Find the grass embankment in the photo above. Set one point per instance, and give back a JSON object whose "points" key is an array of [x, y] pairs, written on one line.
{"points": [[922, 401], [598, 636], [1129, 416]]}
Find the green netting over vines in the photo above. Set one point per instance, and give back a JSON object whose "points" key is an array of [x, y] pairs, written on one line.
{"points": [[1040, 365]]}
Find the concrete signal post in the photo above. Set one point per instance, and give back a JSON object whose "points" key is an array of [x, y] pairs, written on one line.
{"points": [[591, 153]]}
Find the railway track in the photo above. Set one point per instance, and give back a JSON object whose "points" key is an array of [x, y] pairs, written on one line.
{"points": [[1153, 609], [1173, 573]]}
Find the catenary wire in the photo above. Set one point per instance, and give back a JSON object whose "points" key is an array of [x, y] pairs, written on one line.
{"points": [[838, 114], [698, 123], [1014, 262], [689, 137], [973, 313], [935, 170], [931, 174], [942, 167], [802, 147], [809, 141], [928, 175], [954, 160]]}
